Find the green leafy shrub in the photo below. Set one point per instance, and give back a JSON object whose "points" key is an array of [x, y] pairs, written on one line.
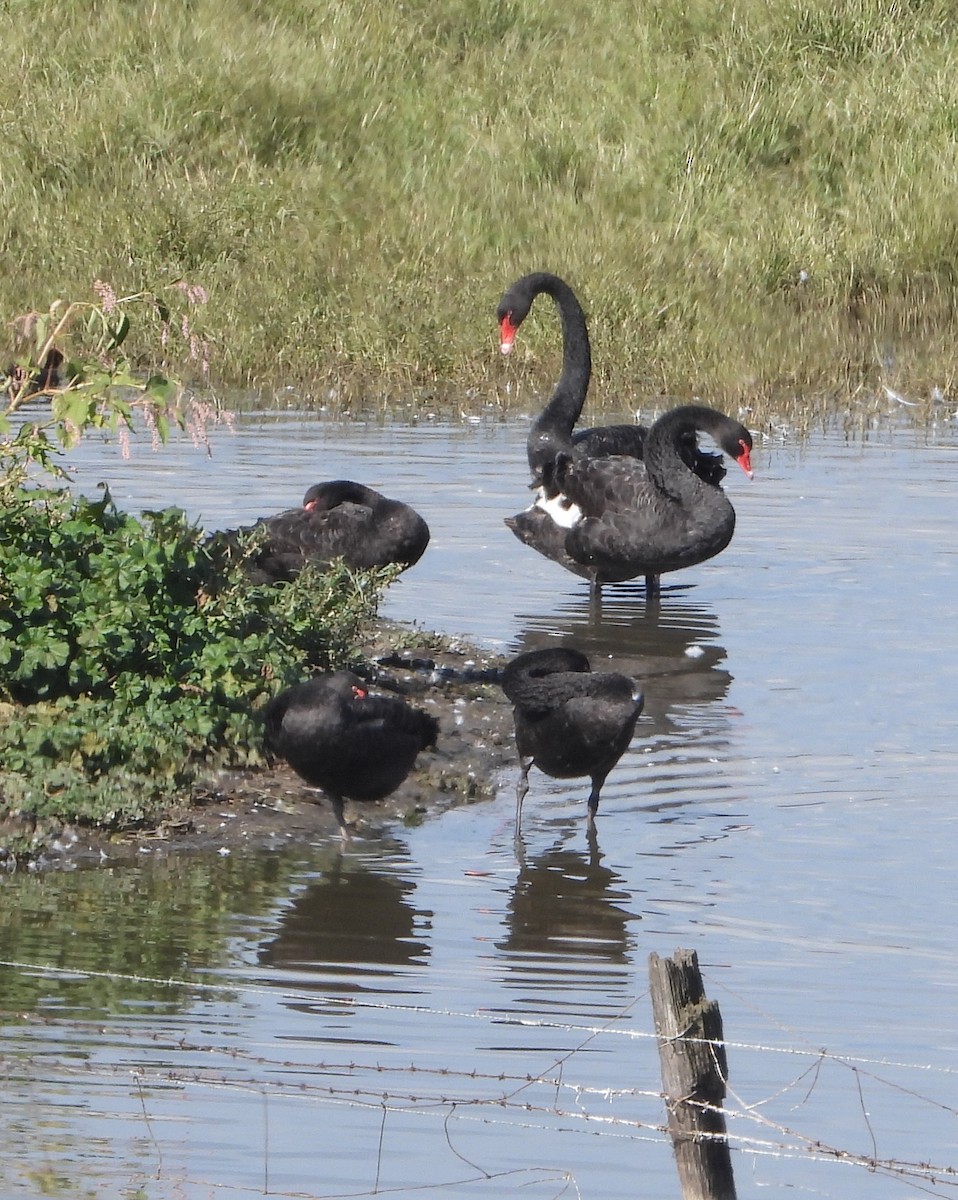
{"points": [[133, 653]]}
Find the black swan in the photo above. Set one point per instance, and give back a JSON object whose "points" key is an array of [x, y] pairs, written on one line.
{"points": [[338, 519], [616, 518], [338, 737], [553, 431], [570, 721]]}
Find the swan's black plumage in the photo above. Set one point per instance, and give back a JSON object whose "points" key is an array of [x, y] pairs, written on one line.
{"points": [[570, 720], [337, 519], [619, 518], [339, 738]]}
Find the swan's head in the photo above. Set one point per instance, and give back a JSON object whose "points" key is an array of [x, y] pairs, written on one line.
{"points": [[736, 441], [322, 497], [512, 311]]}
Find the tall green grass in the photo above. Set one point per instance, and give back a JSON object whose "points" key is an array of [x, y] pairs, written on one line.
{"points": [[755, 200]]}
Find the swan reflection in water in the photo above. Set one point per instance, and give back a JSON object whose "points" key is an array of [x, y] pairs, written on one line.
{"points": [[351, 930], [568, 930], [565, 901]]}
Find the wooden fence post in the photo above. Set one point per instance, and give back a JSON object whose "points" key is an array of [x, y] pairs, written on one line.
{"points": [[693, 1074]]}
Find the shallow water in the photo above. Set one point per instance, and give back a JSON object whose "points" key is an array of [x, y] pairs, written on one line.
{"points": [[436, 1007]]}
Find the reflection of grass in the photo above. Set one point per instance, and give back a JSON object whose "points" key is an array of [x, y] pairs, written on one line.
{"points": [[97, 919], [747, 195], [49, 1182], [78, 1174]]}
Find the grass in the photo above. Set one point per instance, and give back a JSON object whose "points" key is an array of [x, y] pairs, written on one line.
{"points": [[756, 201]]}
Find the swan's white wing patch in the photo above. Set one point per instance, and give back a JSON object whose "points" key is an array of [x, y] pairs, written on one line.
{"points": [[561, 509]]}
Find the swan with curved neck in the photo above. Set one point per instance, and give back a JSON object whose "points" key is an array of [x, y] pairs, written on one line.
{"points": [[553, 431], [626, 518]]}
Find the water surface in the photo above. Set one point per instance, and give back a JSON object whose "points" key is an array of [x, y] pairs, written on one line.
{"points": [[438, 1010]]}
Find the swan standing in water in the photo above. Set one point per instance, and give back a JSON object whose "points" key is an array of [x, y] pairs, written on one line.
{"points": [[617, 501], [570, 721], [616, 518]]}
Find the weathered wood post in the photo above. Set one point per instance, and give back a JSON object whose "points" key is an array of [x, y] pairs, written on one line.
{"points": [[693, 1073]]}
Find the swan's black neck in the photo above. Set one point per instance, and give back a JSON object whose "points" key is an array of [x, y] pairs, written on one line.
{"points": [[325, 496], [552, 429], [665, 463]]}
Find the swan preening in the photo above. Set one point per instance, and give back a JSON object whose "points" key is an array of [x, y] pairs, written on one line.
{"points": [[619, 501], [571, 721], [338, 737], [337, 519]]}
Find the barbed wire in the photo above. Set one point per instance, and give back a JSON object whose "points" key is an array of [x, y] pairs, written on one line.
{"points": [[349, 1003], [457, 1095]]}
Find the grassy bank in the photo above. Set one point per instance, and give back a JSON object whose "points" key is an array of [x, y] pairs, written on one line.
{"points": [[752, 198]]}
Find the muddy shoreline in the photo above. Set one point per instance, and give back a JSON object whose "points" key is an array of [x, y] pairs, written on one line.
{"points": [[273, 809]]}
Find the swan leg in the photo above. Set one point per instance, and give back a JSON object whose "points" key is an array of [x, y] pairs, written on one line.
{"points": [[595, 589], [595, 602], [597, 782], [652, 585], [521, 788], [338, 810]]}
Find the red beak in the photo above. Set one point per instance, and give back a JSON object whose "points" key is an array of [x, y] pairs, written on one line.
{"points": [[507, 334]]}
